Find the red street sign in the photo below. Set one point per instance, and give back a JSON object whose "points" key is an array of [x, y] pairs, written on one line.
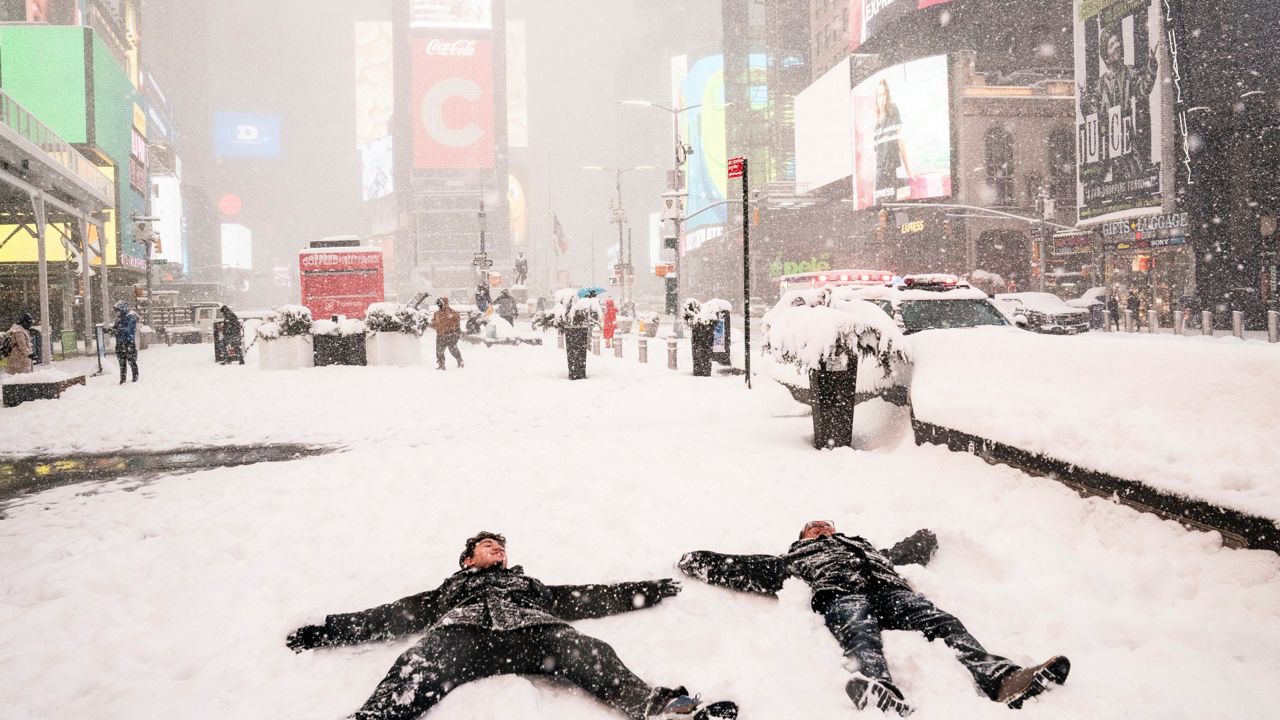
{"points": [[736, 166], [230, 205]]}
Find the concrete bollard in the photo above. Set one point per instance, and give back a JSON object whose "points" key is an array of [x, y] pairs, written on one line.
{"points": [[1179, 322], [1237, 323], [1273, 326], [1128, 321], [671, 355], [644, 350], [1206, 322], [1153, 321], [617, 347], [595, 344]]}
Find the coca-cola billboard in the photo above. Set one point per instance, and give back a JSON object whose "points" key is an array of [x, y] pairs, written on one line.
{"points": [[453, 104]]}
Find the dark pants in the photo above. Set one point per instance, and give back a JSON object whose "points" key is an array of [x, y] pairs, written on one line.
{"points": [[452, 655], [856, 621], [448, 341], [127, 356]]}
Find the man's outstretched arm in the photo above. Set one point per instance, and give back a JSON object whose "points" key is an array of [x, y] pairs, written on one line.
{"points": [[578, 602], [406, 615], [918, 548], [762, 574]]}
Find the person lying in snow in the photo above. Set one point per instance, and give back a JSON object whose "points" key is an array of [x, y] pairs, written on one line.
{"points": [[488, 619], [858, 592]]}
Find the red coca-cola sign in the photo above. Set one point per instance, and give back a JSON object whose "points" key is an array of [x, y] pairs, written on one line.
{"points": [[451, 48]]}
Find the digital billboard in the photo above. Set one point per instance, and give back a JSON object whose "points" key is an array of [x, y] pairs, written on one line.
{"points": [[56, 12], [166, 204], [1118, 108], [456, 14], [452, 103], [824, 130], [517, 84], [704, 129], [246, 135], [518, 203], [237, 247], [375, 81], [902, 133], [376, 166], [868, 17]]}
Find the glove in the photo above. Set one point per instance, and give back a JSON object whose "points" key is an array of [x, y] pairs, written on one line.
{"points": [[306, 637], [666, 587]]}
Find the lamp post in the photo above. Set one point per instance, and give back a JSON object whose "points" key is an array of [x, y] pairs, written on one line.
{"points": [[676, 183], [620, 219]]}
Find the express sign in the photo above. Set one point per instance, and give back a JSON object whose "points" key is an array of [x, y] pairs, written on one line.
{"points": [[453, 104]]}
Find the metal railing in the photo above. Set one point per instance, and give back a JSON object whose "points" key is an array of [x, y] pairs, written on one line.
{"points": [[21, 121]]}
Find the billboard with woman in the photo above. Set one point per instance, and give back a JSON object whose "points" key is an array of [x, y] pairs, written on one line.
{"points": [[902, 133]]}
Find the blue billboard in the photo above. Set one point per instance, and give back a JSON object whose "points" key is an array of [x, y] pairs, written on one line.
{"points": [[246, 135], [703, 94]]}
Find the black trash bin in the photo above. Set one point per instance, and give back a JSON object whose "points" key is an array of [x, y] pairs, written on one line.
{"points": [[339, 349], [833, 398], [577, 340], [702, 336], [37, 347], [227, 347]]}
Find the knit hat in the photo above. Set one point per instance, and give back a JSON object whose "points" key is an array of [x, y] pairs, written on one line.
{"points": [[472, 542]]}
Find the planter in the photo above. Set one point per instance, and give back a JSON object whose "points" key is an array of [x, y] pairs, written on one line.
{"points": [[651, 328], [286, 353], [832, 393], [393, 348], [577, 339], [624, 326], [16, 393], [339, 350], [702, 336]]}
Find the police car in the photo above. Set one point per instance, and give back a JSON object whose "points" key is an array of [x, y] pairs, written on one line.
{"points": [[934, 301]]}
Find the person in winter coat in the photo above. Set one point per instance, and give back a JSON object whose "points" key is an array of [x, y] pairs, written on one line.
{"points": [[21, 352], [1113, 309], [1134, 305], [488, 619], [126, 332], [522, 269], [448, 326], [232, 334], [610, 324], [859, 593], [483, 298], [506, 307]]}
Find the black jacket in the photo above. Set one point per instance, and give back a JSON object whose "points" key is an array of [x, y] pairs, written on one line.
{"points": [[832, 566], [494, 598]]}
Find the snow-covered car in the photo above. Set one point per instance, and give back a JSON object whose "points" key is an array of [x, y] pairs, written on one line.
{"points": [[1043, 313], [932, 302]]}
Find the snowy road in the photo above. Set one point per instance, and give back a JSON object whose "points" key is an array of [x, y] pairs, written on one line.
{"points": [[171, 599]]}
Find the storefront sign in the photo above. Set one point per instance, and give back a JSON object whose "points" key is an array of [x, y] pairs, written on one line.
{"points": [[1068, 244], [1149, 231]]}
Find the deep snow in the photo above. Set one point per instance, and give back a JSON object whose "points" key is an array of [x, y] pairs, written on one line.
{"points": [[171, 599]]}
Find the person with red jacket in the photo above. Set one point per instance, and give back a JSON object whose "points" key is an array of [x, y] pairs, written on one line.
{"points": [[610, 325], [448, 326]]}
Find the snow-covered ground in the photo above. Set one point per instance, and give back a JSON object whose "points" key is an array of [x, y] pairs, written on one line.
{"points": [[171, 599]]}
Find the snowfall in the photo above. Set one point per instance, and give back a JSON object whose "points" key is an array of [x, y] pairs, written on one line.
{"points": [[170, 597]]}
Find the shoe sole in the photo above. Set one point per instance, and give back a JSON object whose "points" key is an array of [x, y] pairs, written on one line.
{"points": [[883, 700], [1048, 678]]}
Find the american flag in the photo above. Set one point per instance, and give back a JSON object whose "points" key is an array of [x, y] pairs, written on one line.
{"points": [[558, 230]]}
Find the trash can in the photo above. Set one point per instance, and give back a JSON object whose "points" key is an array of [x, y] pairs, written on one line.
{"points": [[833, 398], [723, 340], [577, 340], [227, 348], [703, 336], [339, 349]]}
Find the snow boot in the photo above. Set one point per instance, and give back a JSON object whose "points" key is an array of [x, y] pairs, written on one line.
{"points": [[676, 704], [1020, 685], [440, 366], [864, 691]]}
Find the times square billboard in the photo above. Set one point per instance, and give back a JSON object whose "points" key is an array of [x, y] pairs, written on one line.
{"points": [[453, 102], [869, 17]]}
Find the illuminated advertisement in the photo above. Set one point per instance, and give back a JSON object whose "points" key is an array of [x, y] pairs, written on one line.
{"points": [[376, 164], [455, 14], [902, 134], [54, 12], [1117, 108], [824, 129], [518, 203], [517, 84], [375, 81], [868, 17], [704, 129], [453, 103], [237, 247], [166, 204], [246, 135]]}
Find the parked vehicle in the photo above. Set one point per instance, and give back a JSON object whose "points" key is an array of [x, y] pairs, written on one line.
{"points": [[833, 278], [1043, 313], [933, 302]]}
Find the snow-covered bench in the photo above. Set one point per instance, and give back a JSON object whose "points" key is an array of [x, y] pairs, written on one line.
{"points": [[40, 385]]}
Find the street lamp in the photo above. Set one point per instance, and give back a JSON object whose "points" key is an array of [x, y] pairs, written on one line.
{"points": [[676, 183], [619, 218]]}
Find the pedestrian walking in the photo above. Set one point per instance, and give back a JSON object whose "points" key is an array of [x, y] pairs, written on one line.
{"points": [[483, 299], [609, 326], [859, 593], [125, 329], [20, 352], [448, 326], [490, 619], [1134, 305], [1113, 311], [232, 335], [507, 308]]}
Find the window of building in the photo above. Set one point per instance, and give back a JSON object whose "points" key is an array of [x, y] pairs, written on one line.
{"points": [[1062, 163], [999, 165]]}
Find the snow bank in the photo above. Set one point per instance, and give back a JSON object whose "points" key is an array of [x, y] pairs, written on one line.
{"points": [[345, 326], [46, 375], [819, 337], [1190, 415]]}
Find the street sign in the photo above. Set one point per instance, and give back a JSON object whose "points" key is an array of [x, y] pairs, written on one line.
{"points": [[736, 166], [482, 260]]}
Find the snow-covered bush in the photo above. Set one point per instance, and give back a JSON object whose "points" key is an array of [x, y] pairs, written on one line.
{"points": [[292, 321], [393, 317], [571, 311], [708, 313], [816, 331]]}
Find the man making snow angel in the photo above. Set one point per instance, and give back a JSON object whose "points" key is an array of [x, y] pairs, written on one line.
{"points": [[488, 619], [859, 593]]}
